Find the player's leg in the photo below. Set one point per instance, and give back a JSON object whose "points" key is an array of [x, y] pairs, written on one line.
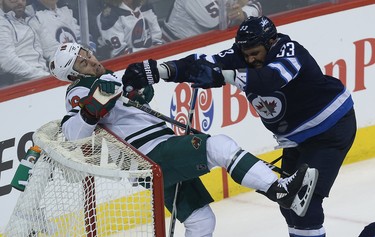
{"points": [[200, 223], [192, 207], [249, 171], [309, 225], [368, 231], [183, 158], [326, 153], [328, 162], [244, 168]]}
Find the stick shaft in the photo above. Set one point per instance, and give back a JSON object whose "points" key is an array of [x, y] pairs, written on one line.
{"points": [[157, 114], [276, 169], [187, 132], [191, 111]]}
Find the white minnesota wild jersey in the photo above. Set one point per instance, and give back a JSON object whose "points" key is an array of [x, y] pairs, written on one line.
{"points": [[127, 30], [55, 27], [138, 128]]}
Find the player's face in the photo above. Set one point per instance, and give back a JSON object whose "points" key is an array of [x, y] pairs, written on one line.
{"points": [[255, 56], [86, 63]]}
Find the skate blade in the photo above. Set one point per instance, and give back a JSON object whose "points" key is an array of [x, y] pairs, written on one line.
{"points": [[300, 205]]}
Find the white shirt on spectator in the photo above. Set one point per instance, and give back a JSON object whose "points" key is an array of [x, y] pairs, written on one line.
{"points": [[194, 17], [22, 56], [54, 28], [126, 30]]}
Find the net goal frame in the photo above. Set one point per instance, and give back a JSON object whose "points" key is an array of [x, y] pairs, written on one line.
{"points": [[95, 186]]}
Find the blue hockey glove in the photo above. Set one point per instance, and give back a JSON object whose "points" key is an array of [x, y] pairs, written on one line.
{"points": [[204, 74], [200, 72], [101, 99], [140, 75]]}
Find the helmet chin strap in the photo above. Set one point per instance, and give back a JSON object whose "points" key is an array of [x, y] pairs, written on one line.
{"points": [[271, 44]]}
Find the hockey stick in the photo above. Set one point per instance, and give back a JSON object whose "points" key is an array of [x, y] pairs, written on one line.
{"points": [[152, 112], [187, 132], [276, 169], [157, 114], [276, 160]]}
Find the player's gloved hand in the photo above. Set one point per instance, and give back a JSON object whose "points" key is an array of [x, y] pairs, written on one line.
{"points": [[200, 72], [101, 99], [204, 74], [140, 75], [142, 96], [107, 87]]}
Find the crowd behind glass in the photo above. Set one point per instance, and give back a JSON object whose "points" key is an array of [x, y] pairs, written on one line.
{"points": [[31, 30]]}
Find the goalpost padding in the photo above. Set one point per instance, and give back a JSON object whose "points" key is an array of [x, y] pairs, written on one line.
{"points": [[96, 186]]}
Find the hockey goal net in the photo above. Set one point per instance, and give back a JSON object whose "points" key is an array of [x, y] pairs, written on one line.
{"points": [[97, 186]]}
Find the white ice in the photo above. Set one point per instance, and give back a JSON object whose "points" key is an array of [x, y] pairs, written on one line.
{"points": [[350, 207]]}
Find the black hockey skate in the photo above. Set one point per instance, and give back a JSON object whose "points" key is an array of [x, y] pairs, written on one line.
{"points": [[284, 191]]}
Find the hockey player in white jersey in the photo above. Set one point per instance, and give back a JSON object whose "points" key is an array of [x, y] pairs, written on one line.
{"points": [[54, 25], [127, 26], [194, 17], [22, 55], [92, 99]]}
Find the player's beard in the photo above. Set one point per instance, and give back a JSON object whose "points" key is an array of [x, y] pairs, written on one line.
{"points": [[256, 64], [99, 70]]}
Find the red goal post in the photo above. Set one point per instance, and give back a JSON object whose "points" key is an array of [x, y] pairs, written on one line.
{"points": [[96, 186]]}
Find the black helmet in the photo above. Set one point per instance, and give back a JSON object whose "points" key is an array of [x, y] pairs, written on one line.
{"points": [[255, 31]]}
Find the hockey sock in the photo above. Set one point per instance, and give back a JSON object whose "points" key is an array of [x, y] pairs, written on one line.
{"points": [[251, 172], [307, 232], [200, 223]]}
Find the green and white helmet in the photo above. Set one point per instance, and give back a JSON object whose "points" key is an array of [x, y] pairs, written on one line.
{"points": [[61, 66]]}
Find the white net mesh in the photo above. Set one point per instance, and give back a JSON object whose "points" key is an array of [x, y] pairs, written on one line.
{"points": [[96, 186]]}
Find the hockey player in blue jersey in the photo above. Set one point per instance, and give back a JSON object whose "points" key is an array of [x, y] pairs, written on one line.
{"points": [[310, 114]]}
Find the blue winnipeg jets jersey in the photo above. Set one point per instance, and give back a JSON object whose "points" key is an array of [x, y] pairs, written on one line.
{"points": [[294, 99]]}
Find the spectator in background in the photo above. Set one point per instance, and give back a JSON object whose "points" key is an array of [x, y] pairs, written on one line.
{"points": [[239, 10], [127, 26], [22, 56], [54, 25], [194, 17], [274, 7], [94, 7], [1, 8]]}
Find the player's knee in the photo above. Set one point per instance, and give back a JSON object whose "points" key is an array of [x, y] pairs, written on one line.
{"points": [[200, 223], [220, 150]]}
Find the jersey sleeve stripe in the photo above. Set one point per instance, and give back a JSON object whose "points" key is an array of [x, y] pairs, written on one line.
{"points": [[283, 71]]}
